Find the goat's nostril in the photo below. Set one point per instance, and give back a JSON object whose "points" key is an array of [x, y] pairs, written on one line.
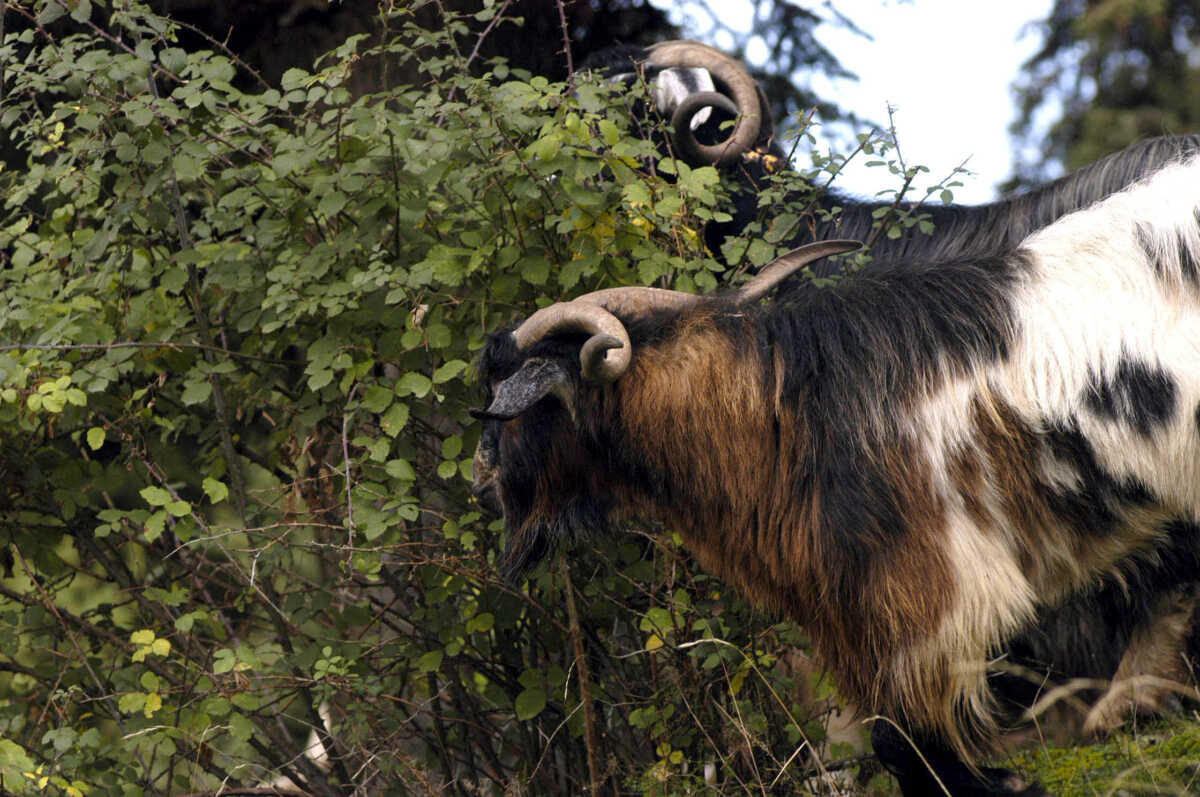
{"points": [[489, 501]]}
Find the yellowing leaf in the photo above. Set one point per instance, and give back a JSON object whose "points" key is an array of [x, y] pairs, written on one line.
{"points": [[735, 683], [143, 637]]}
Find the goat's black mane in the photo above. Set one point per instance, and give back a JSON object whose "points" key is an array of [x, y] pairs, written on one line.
{"points": [[889, 324], [965, 230]]}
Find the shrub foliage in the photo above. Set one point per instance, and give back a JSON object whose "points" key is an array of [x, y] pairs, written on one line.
{"points": [[236, 327]]}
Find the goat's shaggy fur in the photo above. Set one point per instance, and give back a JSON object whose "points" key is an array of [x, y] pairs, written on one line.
{"points": [[1099, 636], [913, 463]]}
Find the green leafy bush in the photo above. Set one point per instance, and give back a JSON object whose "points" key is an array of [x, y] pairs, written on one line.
{"points": [[236, 323]]}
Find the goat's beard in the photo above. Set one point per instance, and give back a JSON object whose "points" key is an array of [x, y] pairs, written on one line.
{"points": [[531, 540], [525, 550]]}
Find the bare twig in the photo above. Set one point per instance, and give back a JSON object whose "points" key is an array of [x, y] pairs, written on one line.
{"points": [[585, 679], [346, 416], [562, 20]]}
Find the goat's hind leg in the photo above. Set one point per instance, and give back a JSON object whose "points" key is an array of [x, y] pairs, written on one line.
{"points": [[1153, 672], [925, 768]]}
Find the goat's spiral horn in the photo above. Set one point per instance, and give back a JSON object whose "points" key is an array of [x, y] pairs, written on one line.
{"points": [[746, 103]]}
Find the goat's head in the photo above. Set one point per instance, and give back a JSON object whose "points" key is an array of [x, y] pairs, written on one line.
{"points": [[549, 458], [698, 89]]}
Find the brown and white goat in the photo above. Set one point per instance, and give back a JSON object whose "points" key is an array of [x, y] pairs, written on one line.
{"points": [[912, 463]]}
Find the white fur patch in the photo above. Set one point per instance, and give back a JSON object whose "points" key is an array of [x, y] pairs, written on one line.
{"points": [[1106, 285], [1094, 299], [674, 84]]}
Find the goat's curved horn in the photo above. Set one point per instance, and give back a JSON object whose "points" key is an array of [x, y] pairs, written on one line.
{"points": [[580, 316], [593, 313], [687, 108], [741, 85], [639, 301], [786, 265]]}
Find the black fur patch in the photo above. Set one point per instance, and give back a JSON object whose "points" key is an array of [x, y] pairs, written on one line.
{"points": [[1187, 261], [1180, 256], [1138, 394], [1094, 508], [866, 342]]}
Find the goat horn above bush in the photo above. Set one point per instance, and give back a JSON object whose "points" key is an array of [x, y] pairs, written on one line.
{"points": [[741, 85]]}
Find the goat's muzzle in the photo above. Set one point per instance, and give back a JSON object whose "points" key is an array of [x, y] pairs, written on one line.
{"points": [[485, 485]]}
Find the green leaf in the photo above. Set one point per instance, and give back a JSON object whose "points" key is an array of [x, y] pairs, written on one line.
{"points": [[417, 384], [240, 728], [178, 508], [215, 490], [156, 496], [320, 379], [155, 525], [609, 132], [394, 419], [530, 703], [51, 12], [400, 469], [293, 79], [174, 59], [185, 622], [331, 204], [13, 756], [430, 661], [63, 739], [535, 270], [131, 702], [657, 620], [546, 148], [223, 661], [95, 437], [377, 398], [196, 392], [448, 371], [481, 623]]}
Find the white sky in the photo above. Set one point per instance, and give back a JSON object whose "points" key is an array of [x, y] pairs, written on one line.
{"points": [[947, 67]]}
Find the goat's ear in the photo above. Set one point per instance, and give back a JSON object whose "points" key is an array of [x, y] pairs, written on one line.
{"points": [[536, 379]]}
